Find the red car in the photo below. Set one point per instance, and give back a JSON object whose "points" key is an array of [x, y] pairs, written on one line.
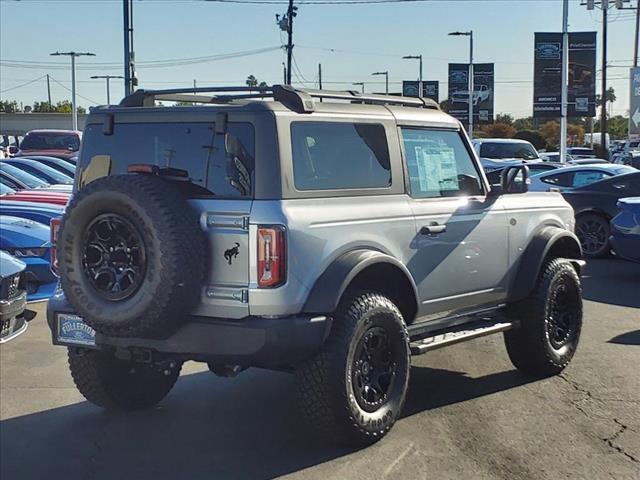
{"points": [[54, 143], [40, 196]]}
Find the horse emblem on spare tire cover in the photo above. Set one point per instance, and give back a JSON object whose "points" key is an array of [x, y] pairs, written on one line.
{"points": [[232, 253]]}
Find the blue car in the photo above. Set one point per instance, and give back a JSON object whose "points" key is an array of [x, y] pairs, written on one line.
{"points": [[17, 179], [38, 212], [56, 163], [40, 170], [625, 229], [29, 241]]}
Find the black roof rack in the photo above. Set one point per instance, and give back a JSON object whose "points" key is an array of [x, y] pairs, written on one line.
{"points": [[297, 99]]}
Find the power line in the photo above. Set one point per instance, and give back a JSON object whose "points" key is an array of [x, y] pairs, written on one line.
{"points": [[23, 85], [68, 89]]}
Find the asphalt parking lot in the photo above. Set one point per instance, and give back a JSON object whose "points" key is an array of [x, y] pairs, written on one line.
{"points": [[469, 414]]}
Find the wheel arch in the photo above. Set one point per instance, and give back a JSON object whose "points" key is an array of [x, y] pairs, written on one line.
{"points": [[549, 242], [364, 269]]}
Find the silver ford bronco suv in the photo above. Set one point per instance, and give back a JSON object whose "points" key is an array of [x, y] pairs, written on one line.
{"points": [[330, 234]]}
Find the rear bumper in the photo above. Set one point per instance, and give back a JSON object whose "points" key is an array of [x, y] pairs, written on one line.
{"points": [[253, 341]]}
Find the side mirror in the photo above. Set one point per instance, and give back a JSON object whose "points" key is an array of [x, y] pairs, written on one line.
{"points": [[515, 179]]}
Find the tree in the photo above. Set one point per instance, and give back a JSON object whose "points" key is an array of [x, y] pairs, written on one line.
{"points": [[550, 131], [523, 123], [532, 137], [499, 130], [444, 105], [9, 106], [504, 118], [610, 96], [40, 107], [575, 135], [252, 81], [618, 127]]}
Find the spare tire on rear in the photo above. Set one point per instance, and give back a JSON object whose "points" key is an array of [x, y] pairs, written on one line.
{"points": [[131, 256]]}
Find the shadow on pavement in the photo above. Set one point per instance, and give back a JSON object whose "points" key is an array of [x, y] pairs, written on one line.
{"points": [[629, 338], [612, 281], [207, 428]]}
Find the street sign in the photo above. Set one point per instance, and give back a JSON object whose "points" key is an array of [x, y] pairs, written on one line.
{"points": [[547, 85], [634, 104]]}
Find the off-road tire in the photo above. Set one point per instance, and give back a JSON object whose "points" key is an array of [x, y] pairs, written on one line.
{"points": [[325, 384], [595, 221], [174, 255], [531, 346], [119, 385]]}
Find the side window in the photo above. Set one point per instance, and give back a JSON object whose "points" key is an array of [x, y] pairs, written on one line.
{"points": [[339, 155], [587, 177], [560, 179], [439, 165]]}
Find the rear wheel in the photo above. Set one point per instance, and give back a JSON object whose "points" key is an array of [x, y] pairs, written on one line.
{"points": [[115, 384], [593, 232], [355, 388], [550, 322]]}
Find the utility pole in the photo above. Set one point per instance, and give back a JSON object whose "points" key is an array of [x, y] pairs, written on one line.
{"points": [[194, 86], [603, 113], [49, 93], [360, 84], [635, 50], [285, 22], [470, 82], [284, 73], [417, 57], [130, 80], [73, 55], [108, 79], [565, 81], [320, 76]]}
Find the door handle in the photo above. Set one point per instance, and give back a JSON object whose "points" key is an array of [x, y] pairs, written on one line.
{"points": [[433, 228]]}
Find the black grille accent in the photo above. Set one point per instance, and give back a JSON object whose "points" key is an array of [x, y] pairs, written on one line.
{"points": [[10, 287]]}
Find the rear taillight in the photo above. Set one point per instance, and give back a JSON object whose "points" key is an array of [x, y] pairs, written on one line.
{"points": [[272, 254], [54, 223]]}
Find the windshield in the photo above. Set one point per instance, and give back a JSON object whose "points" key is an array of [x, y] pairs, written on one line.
{"points": [[50, 141], [4, 189], [508, 150], [29, 180]]}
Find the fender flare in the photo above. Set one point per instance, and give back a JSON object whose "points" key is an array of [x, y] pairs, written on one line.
{"points": [[532, 260], [334, 281]]}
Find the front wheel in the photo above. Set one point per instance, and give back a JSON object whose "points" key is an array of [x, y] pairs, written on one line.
{"points": [[355, 388], [593, 232], [115, 384], [550, 322]]}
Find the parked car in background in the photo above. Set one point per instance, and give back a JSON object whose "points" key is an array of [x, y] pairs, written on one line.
{"points": [[588, 161], [9, 144], [595, 205], [574, 176], [38, 212], [581, 152], [18, 179], [5, 189], [481, 93], [54, 143], [30, 242], [535, 168], [39, 196], [505, 148], [40, 170], [553, 157], [13, 298], [625, 229], [63, 166]]}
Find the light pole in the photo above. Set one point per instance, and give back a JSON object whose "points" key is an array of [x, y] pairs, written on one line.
{"points": [[564, 94], [417, 57], [360, 84], [470, 87], [386, 80], [73, 55], [108, 79]]}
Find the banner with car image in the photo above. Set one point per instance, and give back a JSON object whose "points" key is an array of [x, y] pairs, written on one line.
{"points": [[483, 88], [430, 89], [547, 81]]}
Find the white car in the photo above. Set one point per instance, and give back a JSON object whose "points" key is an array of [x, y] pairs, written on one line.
{"points": [[481, 93], [567, 178], [505, 148]]}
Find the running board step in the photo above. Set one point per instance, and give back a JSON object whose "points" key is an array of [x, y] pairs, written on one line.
{"points": [[462, 333]]}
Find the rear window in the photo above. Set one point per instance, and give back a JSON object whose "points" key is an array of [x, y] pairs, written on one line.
{"points": [[50, 141], [508, 150], [340, 155], [216, 164]]}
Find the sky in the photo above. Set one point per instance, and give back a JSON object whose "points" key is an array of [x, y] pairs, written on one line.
{"points": [[350, 41]]}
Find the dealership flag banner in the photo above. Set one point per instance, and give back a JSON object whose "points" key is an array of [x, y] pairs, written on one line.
{"points": [[483, 88], [634, 104], [430, 89], [547, 75]]}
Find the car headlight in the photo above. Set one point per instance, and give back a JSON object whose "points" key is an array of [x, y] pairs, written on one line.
{"points": [[28, 252]]}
